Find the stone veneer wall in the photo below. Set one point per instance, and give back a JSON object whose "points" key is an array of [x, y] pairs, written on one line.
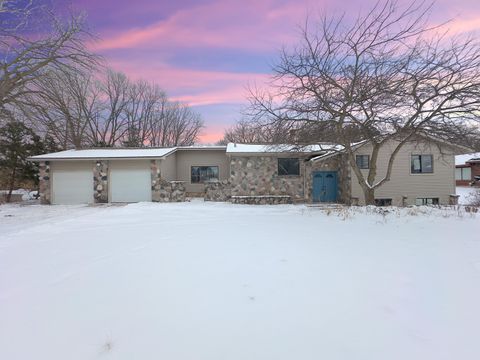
{"points": [[178, 191], [160, 187], [168, 191], [165, 191], [258, 175], [100, 182], [44, 182], [216, 190], [338, 163], [262, 200]]}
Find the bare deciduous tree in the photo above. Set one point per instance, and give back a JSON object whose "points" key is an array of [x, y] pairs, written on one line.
{"points": [[246, 132], [47, 73], [266, 132], [66, 105], [180, 126], [109, 125], [81, 110], [153, 120], [33, 39], [386, 75], [141, 112]]}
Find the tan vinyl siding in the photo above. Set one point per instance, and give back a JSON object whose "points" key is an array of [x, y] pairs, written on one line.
{"points": [[188, 158], [439, 184], [168, 167]]}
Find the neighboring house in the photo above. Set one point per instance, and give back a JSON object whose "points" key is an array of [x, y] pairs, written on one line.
{"points": [[423, 173], [467, 169]]}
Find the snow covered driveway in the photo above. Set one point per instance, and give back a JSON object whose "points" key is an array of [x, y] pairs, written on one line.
{"points": [[209, 281]]}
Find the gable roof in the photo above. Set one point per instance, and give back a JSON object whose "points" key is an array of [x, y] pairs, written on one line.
{"points": [[340, 149]]}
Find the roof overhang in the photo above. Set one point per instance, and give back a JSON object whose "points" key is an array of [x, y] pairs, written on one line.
{"points": [[121, 153]]}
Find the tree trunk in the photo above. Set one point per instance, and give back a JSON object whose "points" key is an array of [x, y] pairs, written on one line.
{"points": [[369, 196], [11, 185]]}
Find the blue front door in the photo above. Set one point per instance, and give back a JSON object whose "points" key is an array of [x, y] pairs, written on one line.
{"points": [[324, 186]]}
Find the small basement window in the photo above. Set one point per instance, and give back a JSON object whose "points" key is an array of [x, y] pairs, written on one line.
{"points": [[427, 201], [200, 174], [363, 161], [288, 166], [383, 202], [421, 164]]}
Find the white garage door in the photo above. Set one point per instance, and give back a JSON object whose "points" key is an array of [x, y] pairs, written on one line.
{"points": [[130, 181], [72, 183]]}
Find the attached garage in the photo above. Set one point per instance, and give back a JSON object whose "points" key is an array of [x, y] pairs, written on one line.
{"points": [[72, 182], [106, 175], [130, 181]]}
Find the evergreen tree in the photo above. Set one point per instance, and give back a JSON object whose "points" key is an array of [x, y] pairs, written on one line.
{"points": [[39, 146], [17, 143]]}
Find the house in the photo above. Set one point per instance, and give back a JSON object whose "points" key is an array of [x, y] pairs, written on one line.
{"points": [[423, 173], [467, 169]]}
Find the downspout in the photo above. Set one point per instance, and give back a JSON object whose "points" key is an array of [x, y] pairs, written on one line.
{"points": [[305, 179]]}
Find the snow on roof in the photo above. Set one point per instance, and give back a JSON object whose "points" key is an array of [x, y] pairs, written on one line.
{"points": [[336, 149], [462, 159], [280, 148], [202, 147], [116, 153], [105, 153]]}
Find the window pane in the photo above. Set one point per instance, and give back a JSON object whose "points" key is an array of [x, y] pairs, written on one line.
{"points": [[467, 173], [195, 174], [458, 174], [383, 202], [288, 166], [427, 201], [416, 165], [215, 172], [427, 163], [200, 174], [363, 161]]}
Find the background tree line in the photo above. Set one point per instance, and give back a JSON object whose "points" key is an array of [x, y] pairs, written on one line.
{"points": [[80, 109]]}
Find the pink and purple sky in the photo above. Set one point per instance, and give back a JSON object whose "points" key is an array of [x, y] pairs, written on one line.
{"points": [[205, 52]]}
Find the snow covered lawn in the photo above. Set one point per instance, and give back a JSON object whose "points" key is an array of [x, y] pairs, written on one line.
{"points": [[466, 194], [213, 281]]}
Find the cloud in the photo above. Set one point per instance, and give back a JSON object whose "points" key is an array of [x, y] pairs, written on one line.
{"points": [[216, 95], [211, 136], [458, 26], [187, 48], [196, 87], [247, 24]]}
